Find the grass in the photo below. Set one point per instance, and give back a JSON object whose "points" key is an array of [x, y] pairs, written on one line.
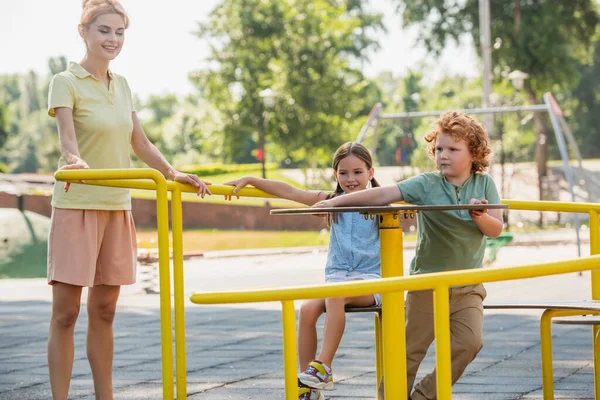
{"points": [[211, 239]]}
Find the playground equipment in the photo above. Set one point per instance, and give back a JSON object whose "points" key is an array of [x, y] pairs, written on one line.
{"points": [[391, 287], [559, 124]]}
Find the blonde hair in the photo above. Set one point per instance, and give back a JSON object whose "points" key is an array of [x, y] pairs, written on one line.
{"points": [[460, 126], [92, 9]]}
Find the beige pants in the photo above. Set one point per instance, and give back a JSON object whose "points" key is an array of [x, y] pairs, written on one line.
{"points": [[466, 334]]}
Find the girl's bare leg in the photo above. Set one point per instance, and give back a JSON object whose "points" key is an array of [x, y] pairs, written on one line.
{"points": [[310, 311], [66, 300], [335, 323], [102, 304]]}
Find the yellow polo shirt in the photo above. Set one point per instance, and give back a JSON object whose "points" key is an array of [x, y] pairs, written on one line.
{"points": [[103, 127]]}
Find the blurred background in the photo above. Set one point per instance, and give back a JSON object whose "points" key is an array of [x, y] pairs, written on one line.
{"points": [[271, 88]]}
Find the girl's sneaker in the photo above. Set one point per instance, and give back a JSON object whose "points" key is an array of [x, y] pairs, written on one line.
{"points": [[306, 393], [317, 376]]}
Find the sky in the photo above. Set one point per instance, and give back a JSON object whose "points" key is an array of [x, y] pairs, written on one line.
{"points": [[160, 47]]}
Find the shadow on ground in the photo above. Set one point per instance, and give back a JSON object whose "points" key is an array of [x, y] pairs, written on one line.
{"points": [[235, 353]]}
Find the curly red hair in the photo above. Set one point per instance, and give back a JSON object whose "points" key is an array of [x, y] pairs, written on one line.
{"points": [[460, 126]]}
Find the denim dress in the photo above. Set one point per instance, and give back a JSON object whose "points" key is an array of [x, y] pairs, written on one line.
{"points": [[353, 248]]}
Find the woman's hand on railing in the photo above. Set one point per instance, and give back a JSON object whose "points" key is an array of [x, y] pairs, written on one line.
{"points": [[78, 164], [193, 180]]}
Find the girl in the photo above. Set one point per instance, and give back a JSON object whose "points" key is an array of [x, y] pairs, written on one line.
{"points": [[353, 254], [92, 236], [446, 241]]}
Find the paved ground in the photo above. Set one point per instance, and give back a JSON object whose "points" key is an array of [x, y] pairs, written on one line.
{"points": [[235, 352]]}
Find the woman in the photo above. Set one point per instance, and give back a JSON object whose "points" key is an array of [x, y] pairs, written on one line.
{"points": [[92, 236]]}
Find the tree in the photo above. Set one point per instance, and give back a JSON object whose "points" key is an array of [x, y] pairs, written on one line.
{"points": [[545, 38], [161, 107], [302, 50], [3, 131], [586, 107]]}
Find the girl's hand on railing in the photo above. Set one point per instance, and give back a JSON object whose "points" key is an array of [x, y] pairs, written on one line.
{"points": [[239, 184], [193, 180], [323, 204], [79, 164]]}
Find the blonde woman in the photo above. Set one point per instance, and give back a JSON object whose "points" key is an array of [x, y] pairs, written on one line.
{"points": [[92, 236]]}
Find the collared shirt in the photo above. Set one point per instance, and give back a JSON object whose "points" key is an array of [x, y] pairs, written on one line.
{"points": [[353, 246], [447, 240], [103, 126]]}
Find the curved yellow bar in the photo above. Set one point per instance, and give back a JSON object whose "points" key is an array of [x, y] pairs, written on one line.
{"points": [[159, 184], [555, 206], [386, 285], [116, 178]]}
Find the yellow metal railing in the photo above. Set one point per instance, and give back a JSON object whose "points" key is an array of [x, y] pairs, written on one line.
{"points": [[391, 288], [150, 179], [439, 282], [154, 180]]}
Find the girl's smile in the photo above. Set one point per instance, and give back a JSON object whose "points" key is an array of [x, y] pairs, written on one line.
{"points": [[352, 174]]}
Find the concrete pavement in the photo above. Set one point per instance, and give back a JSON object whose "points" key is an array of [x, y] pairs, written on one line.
{"points": [[234, 352]]}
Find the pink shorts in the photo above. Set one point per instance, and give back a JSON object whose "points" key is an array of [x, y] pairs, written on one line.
{"points": [[92, 247]]}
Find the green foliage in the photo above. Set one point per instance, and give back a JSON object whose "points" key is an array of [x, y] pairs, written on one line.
{"points": [[3, 168], [545, 38], [3, 130], [188, 132], [162, 107], [302, 50], [403, 94], [30, 143], [585, 102], [217, 169]]}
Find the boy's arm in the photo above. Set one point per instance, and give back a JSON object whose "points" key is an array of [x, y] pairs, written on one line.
{"points": [[279, 189], [379, 196], [489, 222]]}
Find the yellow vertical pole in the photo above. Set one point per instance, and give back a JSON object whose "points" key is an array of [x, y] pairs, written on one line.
{"points": [[288, 319], [392, 305], [443, 353], [162, 212], [378, 352], [178, 288], [595, 276], [546, 350]]}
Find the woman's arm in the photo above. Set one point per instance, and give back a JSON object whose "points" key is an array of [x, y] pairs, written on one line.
{"points": [[379, 196], [68, 141], [66, 137], [277, 188], [148, 153]]}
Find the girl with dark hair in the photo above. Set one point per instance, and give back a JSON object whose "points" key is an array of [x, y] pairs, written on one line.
{"points": [[353, 255]]}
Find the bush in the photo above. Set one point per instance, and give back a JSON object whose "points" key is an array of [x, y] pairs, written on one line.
{"points": [[218, 169], [3, 168]]}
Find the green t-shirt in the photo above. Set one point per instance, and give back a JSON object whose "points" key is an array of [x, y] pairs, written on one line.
{"points": [[447, 240]]}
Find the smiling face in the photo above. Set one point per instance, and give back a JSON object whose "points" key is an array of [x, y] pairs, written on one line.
{"points": [[353, 174], [453, 159], [104, 37]]}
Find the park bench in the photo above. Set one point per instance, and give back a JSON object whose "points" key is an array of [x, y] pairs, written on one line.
{"points": [[587, 312]]}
